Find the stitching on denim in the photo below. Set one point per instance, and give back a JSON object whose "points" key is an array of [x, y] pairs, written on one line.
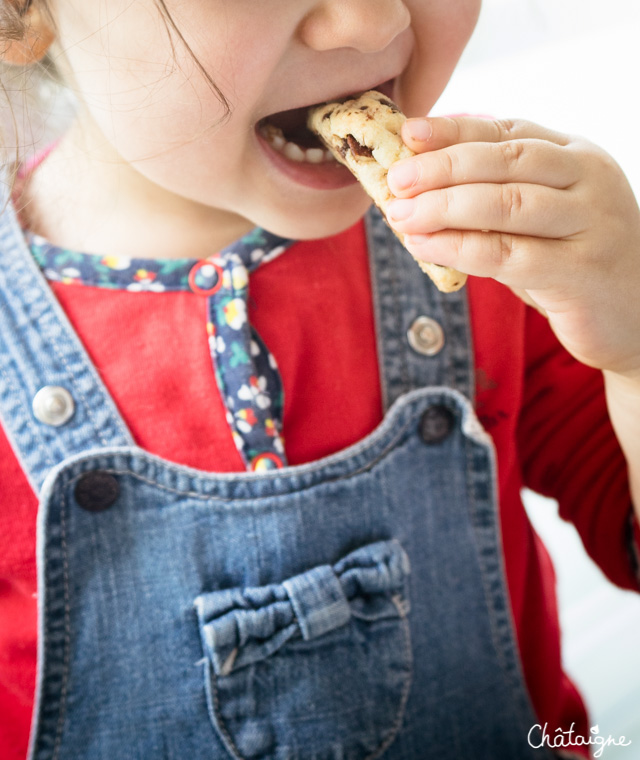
{"points": [[356, 450], [231, 747], [162, 487], [520, 685], [377, 309], [36, 311], [211, 700], [470, 368], [348, 454], [67, 629], [395, 728], [43, 451], [458, 357], [393, 363], [72, 380], [489, 596], [397, 339], [229, 499]]}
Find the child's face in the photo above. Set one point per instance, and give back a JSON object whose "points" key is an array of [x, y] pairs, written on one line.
{"points": [[164, 119]]}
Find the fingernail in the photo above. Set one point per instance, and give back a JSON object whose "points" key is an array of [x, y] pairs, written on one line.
{"points": [[403, 175], [419, 130], [401, 209]]}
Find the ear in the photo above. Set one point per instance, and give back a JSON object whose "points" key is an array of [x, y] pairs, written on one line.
{"points": [[37, 38]]}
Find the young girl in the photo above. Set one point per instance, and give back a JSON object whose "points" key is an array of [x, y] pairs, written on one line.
{"points": [[327, 556]]}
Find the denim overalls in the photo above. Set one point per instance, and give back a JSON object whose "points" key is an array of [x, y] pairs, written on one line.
{"points": [[353, 607]]}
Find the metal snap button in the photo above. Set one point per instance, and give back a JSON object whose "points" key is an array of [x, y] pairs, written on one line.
{"points": [[96, 491], [53, 405], [426, 336], [435, 424]]}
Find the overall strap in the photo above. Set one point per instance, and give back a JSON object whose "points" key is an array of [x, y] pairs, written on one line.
{"points": [[53, 404], [424, 338]]}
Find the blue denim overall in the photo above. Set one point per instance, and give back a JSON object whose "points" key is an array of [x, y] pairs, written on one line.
{"points": [[353, 607]]}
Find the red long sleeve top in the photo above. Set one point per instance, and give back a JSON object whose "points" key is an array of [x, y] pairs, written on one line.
{"points": [[545, 412]]}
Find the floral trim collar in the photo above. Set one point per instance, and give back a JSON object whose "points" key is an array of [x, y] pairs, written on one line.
{"points": [[147, 274]]}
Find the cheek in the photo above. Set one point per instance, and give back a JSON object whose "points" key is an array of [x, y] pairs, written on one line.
{"points": [[441, 30], [139, 88], [466, 18], [144, 121], [445, 26], [456, 28]]}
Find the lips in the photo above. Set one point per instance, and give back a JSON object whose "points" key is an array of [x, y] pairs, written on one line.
{"points": [[298, 153]]}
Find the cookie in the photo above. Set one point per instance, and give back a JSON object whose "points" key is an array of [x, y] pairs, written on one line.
{"points": [[363, 133]]}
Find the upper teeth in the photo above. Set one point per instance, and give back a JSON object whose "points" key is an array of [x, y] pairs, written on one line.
{"points": [[275, 137]]}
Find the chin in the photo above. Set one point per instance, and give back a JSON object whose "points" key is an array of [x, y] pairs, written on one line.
{"points": [[313, 223]]}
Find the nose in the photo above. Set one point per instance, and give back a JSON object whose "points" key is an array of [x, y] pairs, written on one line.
{"points": [[365, 25]]}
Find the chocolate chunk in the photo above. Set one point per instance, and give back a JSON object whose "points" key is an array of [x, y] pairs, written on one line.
{"points": [[389, 104], [357, 149]]}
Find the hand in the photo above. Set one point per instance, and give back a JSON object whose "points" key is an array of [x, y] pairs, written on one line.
{"points": [[550, 215]]}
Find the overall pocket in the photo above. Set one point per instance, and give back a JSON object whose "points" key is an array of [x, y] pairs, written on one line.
{"points": [[318, 666]]}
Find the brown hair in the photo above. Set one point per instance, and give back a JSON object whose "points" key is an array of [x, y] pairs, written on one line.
{"points": [[12, 27], [172, 29], [12, 20]]}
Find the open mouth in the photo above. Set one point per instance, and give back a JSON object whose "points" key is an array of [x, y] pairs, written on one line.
{"points": [[296, 143], [286, 133]]}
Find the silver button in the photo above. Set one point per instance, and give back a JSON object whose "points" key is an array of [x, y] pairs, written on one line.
{"points": [[426, 336], [53, 405]]}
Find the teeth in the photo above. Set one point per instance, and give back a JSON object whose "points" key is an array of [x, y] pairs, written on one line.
{"points": [[294, 152], [275, 137], [277, 141], [315, 155]]}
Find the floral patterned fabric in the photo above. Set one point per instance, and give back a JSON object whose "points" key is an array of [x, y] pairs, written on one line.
{"points": [[246, 372]]}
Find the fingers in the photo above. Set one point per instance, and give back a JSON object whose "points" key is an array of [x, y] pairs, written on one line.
{"points": [[492, 198], [441, 132], [531, 161], [519, 261], [512, 208]]}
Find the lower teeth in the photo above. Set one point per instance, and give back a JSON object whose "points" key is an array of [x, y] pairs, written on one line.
{"points": [[294, 152]]}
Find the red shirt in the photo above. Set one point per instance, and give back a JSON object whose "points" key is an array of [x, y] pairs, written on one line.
{"points": [[312, 305]]}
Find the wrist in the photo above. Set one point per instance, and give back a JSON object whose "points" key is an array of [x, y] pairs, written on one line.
{"points": [[623, 401]]}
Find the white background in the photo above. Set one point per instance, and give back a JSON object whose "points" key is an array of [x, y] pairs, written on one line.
{"points": [[573, 65]]}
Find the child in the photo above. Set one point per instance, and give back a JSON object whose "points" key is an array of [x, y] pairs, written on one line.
{"points": [[224, 571]]}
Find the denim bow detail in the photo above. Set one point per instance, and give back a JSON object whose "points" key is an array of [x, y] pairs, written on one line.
{"points": [[241, 626]]}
